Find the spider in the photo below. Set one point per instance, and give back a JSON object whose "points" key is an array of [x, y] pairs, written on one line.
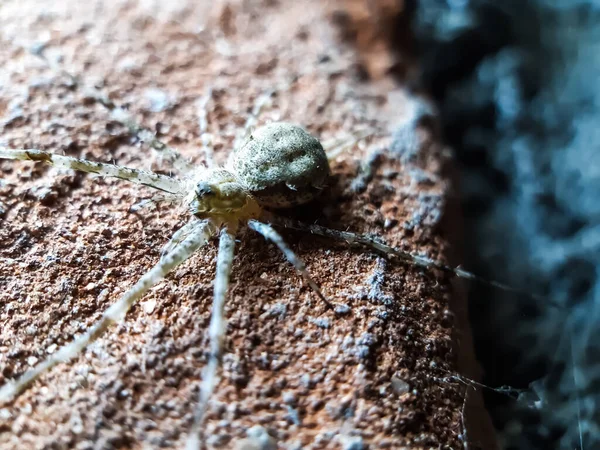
{"points": [[279, 165]]}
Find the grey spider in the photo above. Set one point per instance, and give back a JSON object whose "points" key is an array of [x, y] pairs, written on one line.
{"points": [[277, 165]]}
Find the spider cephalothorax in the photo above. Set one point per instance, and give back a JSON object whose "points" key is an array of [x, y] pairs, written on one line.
{"points": [[218, 193]]}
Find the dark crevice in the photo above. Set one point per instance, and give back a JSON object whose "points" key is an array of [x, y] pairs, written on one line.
{"points": [[516, 86]]}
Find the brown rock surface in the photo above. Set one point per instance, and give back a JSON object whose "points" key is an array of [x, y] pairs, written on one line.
{"points": [[69, 245]]}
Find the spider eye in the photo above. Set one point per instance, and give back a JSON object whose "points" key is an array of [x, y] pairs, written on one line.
{"points": [[203, 190]]}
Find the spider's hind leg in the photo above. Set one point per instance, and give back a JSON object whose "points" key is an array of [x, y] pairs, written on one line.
{"points": [[335, 147], [389, 251], [269, 233]]}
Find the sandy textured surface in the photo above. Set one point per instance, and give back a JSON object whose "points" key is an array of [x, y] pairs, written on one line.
{"points": [[69, 245]]}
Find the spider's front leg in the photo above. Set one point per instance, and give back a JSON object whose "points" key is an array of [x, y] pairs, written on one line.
{"points": [[205, 136], [216, 332], [151, 203], [260, 102], [167, 153], [154, 180], [202, 231]]}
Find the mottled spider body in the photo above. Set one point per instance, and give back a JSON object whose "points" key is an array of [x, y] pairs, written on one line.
{"points": [[281, 165]]}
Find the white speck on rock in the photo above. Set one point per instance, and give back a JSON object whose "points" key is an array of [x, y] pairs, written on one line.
{"points": [[258, 439], [321, 322], [51, 349], [399, 386], [158, 100], [149, 305]]}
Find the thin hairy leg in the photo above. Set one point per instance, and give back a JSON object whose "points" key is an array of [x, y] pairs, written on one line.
{"points": [[216, 332], [205, 136], [181, 235], [270, 234], [335, 147], [151, 203], [151, 179], [387, 250], [261, 101], [114, 313], [168, 154]]}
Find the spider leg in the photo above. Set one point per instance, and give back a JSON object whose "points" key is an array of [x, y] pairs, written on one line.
{"points": [[335, 147], [269, 233], [114, 313], [387, 250], [259, 103], [168, 154], [150, 202], [151, 179], [205, 136], [179, 236], [216, 331]]}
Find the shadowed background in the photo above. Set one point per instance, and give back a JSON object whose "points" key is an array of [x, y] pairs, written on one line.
{"points": [[517, 86]]}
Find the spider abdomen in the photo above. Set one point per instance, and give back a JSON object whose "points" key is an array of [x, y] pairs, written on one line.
{"points": [[281, 165]]}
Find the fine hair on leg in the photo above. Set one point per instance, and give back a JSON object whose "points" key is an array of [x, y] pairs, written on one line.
{"points": [[216, 332], [163, 183], [269, 233]]}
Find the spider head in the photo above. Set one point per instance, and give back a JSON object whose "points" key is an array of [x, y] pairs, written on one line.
{"points": [[218, 194]]}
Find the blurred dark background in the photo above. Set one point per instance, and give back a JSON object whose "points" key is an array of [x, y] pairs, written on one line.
{"points": [[517, 84]]}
